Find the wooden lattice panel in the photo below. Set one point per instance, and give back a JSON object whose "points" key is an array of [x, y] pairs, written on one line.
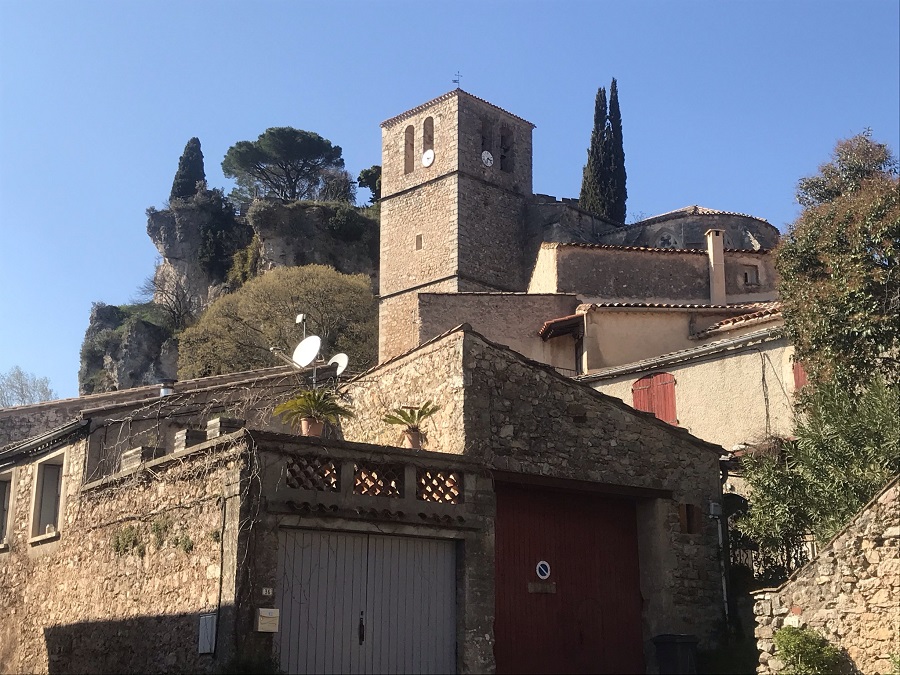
{"points": [[378, 480], [313, 473], [443, 487]]}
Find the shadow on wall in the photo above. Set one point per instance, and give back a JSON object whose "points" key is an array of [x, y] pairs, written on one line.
{"points": [[146, 644]]}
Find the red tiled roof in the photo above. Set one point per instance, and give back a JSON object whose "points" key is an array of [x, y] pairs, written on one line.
{"points": [[622, 247], [765, 311], [561, 326], [444, 97]]}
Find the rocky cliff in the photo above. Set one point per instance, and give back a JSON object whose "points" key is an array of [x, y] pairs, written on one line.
{"points": [[206, 251]]}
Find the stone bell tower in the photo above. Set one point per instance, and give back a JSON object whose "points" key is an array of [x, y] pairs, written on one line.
{"points": [[456, 175]]}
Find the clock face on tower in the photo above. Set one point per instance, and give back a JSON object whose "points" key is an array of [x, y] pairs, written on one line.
{"points": [[487, 158]]}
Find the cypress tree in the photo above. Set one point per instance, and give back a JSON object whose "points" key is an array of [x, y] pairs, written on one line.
{"points": [[594, 183], [616, 159], [190, 171]]}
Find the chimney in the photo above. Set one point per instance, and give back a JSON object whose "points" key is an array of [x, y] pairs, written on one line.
{"points": [[715, 247]]}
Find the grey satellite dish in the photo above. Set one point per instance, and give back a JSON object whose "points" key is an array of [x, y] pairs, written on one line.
{"points": [[341, 360], [307, 350]]}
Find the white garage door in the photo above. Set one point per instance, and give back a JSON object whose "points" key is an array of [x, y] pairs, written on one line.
{"points": [[358, 603]]}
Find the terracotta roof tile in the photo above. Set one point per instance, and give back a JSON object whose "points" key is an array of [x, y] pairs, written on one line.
{"points": [[765, 311], [621, 247]]}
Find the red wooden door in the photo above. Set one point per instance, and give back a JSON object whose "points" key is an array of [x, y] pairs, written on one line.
{"points": [[586, 617], [656, 393]]}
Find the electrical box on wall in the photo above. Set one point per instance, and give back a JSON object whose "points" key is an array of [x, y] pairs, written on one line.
{"points": [[267, 620], [206, 643]]}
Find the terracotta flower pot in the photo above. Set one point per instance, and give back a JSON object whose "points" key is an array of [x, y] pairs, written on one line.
{"points": [[412, 439], [311, 427]]}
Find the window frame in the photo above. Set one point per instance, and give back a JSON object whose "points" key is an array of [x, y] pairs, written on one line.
{"points": [[57, 459], [7, 507]]}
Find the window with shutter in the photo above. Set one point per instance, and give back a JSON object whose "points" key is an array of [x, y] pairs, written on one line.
{"points": [[656, 394]]}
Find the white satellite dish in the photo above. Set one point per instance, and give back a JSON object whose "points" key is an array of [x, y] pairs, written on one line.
{"points": [[341, 360], [307, 350]]}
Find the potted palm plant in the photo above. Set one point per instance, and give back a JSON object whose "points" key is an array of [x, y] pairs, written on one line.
{"points": [[311, 409], [412, 418]]}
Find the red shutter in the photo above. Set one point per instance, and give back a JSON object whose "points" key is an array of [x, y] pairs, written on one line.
{"points": [[799, 376], [656, 393]]}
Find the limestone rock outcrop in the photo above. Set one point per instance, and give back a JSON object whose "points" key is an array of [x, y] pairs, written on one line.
{"points": [[122, 350]]}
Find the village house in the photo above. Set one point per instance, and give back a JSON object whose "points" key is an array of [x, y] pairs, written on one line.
{"points": [[548, 525]]}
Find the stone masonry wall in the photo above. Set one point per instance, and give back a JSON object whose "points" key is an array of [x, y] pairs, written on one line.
{"points": [[618, 275], [520, 417], [510, 319], [432, 372], [72, 602], [429, 212], [850, 593]]}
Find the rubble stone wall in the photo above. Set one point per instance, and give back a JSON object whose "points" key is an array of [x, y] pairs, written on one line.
{"points": [[134, 563], [850, 593]]}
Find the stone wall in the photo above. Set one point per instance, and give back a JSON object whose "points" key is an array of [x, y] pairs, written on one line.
{"points": [[134, 563], [737, 287], [510, 319], [849, 593], [620, 275], [522, 418]]}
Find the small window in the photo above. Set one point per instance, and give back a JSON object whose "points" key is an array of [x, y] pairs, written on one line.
{"points": [[751, 275], [409, 149], [5, 505], [48, 497], [487, 139], [418, 242], [506, 149], [800, 377], [428, 134]]}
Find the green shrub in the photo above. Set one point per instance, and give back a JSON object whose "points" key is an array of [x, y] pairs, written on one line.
{"points": [[805, 652], [184, 542], [346, 224], [126, 540], [245, 263], [160, 528]]}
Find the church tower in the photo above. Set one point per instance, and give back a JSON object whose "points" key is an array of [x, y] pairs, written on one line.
{"points": [[455, 178]]}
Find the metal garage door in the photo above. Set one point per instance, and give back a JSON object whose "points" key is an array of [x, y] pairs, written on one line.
{"points": [[358, 603]]}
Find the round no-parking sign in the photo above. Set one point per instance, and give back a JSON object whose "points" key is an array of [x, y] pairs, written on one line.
{"points": [[543, 570]]}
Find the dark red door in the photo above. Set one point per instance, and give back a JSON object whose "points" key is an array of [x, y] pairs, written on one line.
{"points": [[584, 618]]}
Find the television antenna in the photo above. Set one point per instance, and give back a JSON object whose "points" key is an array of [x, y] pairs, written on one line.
{"points": [[457, 79]]}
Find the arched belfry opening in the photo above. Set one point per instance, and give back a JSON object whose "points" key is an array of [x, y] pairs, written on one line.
{"points": [[428, 134], [409, 149], [507, 149]]}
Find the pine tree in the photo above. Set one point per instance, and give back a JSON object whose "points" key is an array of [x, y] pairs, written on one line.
{"points": [[190, 171], [594, 184], [618, 194]]}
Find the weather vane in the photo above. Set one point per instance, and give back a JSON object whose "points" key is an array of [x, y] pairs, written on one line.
{"points": [[457, 79]]}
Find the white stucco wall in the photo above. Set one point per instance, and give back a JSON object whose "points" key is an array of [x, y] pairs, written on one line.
{"points": [[726, 398]]}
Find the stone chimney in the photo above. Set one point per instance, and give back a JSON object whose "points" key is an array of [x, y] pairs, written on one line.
{"points": [[715, 247]]}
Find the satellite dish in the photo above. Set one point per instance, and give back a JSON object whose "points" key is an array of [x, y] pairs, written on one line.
{"points": [[341, 361], [306, 351]]}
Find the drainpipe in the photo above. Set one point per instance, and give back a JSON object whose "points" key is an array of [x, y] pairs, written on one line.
{"points": [[715, 247]]}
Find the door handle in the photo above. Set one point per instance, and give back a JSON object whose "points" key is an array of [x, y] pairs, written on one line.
{"points": [[362, 627]]}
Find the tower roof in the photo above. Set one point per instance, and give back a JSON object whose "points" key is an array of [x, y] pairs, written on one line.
{"points": [[444, 97]]}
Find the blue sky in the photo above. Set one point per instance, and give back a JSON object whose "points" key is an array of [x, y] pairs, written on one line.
{"points": [[724, 104]]}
